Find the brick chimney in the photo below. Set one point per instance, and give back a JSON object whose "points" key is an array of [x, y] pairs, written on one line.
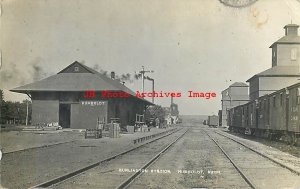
{"points": [[112, 75]]}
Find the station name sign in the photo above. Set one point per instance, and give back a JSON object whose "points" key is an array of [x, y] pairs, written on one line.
{"points": [[92, 103]]}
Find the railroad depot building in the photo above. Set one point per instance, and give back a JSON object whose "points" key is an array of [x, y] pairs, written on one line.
{"points": [[285, 70], [62, 98]]}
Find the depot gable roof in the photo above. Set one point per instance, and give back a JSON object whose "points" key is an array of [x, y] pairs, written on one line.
{"points": [[75, 77]]}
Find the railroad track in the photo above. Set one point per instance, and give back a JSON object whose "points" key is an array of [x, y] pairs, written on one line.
{"points": [[131, 179], [243, 172], [248, 180], [75, 173], [261, 154]]}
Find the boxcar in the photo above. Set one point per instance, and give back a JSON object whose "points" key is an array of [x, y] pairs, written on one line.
{"points": [[249, 117], [276, 115], [263, 116], [213, 120], [230, 118], [236, 119], [293, 113]]}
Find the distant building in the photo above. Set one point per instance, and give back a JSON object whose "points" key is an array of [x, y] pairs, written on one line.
{"points": [[174, 108], [285, 69], [67, 98], [171, 111], [235, 95]]}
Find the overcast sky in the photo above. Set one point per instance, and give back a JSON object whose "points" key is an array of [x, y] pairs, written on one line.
{"points": [[199, 45]]}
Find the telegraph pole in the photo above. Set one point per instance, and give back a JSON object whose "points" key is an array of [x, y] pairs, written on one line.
{"points": [[143, 78], [26, 112], [142, 72]]}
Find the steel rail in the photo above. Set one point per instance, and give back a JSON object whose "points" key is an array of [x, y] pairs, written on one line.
{"points": [[134, 176], [248, 180], [69, 175], [261, 154]]}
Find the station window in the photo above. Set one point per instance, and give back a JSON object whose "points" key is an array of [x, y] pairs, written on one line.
{"points": [[76, 68], [281, 99], [294, 54]]}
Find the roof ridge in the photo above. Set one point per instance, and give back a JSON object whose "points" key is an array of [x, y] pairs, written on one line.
{"points": [[76, 62], [273, 71], [112, 81]]}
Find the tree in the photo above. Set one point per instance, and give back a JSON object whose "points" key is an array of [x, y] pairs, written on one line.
{"points": [[155, 112], [1, 96], [15, 111], [1, 105]]}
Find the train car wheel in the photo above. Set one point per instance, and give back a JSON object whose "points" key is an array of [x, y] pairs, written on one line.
{"points": [[291, 138], [270, 135], [252, 132]]}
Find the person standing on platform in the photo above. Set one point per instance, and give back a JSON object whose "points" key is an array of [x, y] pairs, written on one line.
{"points": [[157, 122]]}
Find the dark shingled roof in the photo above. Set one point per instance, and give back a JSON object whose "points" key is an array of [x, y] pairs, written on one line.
{"points": [[279, 71], [86, 79]]}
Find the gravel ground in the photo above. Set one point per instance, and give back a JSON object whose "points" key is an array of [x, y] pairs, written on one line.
{"points": [[263, 173], [18, 140], [27, 168], [194, 152], [108, 175]]}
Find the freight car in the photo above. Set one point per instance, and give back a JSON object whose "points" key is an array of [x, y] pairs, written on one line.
{"points": [[213, 121], [275, 116], [235, 119]]}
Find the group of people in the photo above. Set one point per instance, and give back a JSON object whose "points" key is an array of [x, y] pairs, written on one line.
{"points": [[160, 124]]}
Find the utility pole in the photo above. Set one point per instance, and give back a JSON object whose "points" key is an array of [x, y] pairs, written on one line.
{"points": [[142, 72], [143, 77], [26, 112]]}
